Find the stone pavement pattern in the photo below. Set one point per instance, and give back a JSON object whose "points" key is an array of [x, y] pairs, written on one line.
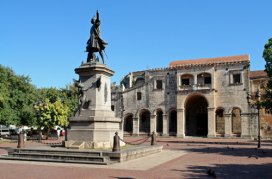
{"points": [[229, 158]]}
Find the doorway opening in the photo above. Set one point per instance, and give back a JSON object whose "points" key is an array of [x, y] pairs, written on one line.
{"points": [[196, 116]]}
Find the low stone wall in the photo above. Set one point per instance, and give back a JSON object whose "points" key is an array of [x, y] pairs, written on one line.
{"points": [[133, 153]]}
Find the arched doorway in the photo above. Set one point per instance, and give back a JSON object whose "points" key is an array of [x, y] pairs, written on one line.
{"points": [[236, 121], [196, 116], [173, 122], [220, 121], [159, 121], [128, 123], [145, 121]]}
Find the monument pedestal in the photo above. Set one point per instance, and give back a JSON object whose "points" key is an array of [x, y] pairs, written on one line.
{"points": [[94, 124]]}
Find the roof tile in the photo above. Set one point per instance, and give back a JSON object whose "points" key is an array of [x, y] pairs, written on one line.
{"points": [[228, 59], [258, 74]]}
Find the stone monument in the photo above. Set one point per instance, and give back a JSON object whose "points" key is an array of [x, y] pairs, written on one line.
{"points": [[94, 124]]}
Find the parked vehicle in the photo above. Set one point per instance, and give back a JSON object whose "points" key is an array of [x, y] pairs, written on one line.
{"points": [[4, 130]]}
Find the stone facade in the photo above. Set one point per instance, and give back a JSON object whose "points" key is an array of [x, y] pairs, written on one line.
{"points": [[204, 97], [258, 81]]}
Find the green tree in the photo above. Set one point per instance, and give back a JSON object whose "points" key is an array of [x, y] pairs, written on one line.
{"points": [[67, 96], [267, 55], [50, 114], [17, 96], [70, 96]]}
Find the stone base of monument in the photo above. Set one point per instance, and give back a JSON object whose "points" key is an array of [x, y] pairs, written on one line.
{"points": [[97, 157], [94, 125], [90, 139]]}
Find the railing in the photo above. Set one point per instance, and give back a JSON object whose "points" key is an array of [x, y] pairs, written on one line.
{"points": [[195, 87]]}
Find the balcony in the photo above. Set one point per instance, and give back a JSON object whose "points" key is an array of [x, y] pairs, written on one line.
{"points": [[202, 88]]}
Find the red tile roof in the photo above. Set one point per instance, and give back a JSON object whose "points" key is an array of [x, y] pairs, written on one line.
{"points": [[228, 59], [258, 74]]}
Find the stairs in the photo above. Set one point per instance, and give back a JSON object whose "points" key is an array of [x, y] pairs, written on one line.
{"points": [[63, 156]]}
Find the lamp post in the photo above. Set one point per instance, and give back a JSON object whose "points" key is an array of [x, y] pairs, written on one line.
{"points": [[258, 95], [256, 105]]}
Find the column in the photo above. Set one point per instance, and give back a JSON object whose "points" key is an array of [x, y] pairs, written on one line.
{"points": [[195, 79], [135, 126], [165, 125], [228, 125], [245, 125], [180, 123], [211, 123], [153, 123]]}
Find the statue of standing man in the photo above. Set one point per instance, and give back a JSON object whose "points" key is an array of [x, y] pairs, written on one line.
{"points": [[95, 42]]}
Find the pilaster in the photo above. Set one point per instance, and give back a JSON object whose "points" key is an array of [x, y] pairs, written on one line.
{"points": [[180, 123], [153, 123], [136, 126], [228, 125], [245, 120], [211, 123], [165, 128]]}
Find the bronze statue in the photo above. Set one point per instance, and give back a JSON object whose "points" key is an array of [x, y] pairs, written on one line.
{"points": [[95, 42], [81, 95]]}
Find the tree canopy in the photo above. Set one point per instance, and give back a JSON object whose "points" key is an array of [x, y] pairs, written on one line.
{"points": [[50, 114], [267, 55], [17, 95], [19, 99], [55, 106]]}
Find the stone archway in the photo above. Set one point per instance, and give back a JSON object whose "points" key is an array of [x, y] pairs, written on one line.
{"points": [[196, 111], [128, 123], [144, 121]]}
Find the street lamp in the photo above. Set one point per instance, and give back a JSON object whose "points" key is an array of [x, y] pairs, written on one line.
{"points": [[258, 105]]}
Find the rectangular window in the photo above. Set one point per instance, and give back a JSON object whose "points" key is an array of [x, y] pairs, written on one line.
{"points": [[236, 78], [207, 80], [139, 95], [159, 84], [185, 81]]}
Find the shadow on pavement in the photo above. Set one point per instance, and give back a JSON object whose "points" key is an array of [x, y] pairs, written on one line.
{"points": [[123, 177], [253, 143], [234, 151], [229, 171]]}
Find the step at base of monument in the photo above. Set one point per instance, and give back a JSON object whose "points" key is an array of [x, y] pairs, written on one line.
{"points": [[80, 156], [53, 155], [56, 151], [59, 157], [55, 160]]}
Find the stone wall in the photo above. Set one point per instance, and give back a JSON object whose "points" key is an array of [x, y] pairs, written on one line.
{"points": [[224, 92]]}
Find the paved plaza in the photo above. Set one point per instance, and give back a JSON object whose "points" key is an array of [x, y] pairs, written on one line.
{"points": [[181, 158]]}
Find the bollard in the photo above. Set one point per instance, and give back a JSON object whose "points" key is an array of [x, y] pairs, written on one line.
{"points": [[116, 143], [153, 138], [21, 141], [66, 134], [40, 136]]}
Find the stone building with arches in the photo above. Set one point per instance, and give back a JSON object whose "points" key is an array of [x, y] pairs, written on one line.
{"points": [[203, 97]]}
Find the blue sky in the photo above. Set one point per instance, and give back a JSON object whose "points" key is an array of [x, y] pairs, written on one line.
{"points": [[46, 39]]}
